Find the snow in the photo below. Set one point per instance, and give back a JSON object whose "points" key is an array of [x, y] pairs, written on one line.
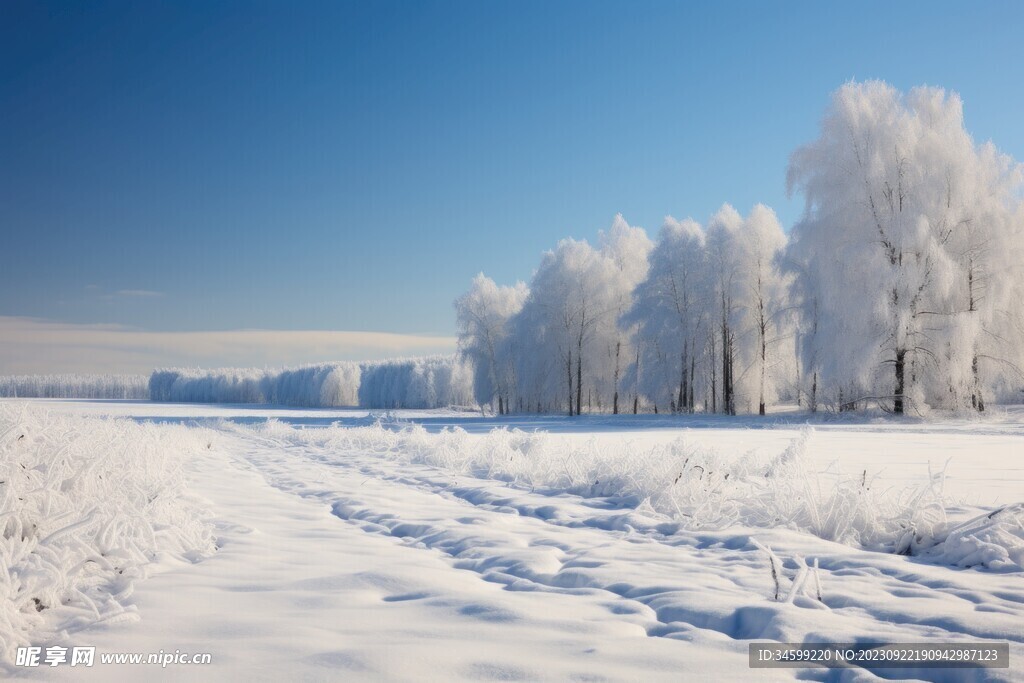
{"points": [[87, 508], [994, 540], [379, 549]]}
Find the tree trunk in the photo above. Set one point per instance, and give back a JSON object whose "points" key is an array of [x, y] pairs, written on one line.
{"points": [[764, 361], [568, 369], [725, 369], [579, 379], [714, 376], [901, 356], [615, 396], [636, 383], [977, 400], [728, 378], [681, 403], [682, 382], [693, 370], [814, 393]]}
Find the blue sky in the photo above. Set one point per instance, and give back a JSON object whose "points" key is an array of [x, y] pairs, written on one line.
{"points": [[187, 166]]}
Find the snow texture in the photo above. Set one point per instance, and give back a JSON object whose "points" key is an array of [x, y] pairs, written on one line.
{"points": [[87, 508], [483, 553]]}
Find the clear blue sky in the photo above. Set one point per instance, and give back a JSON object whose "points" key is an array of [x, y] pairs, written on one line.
{"points": [[350, 166]]}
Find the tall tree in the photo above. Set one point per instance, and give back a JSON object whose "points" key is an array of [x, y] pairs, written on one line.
{"points": [[760, 247], [723, 238], [670, 308], [627, 248], [894, 189], [482, 315]]}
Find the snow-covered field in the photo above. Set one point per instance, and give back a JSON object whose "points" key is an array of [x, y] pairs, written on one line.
{"points": [[351, 546]]}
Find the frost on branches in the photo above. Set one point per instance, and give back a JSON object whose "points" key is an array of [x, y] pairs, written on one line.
{"points": [[901, 287], [908, 254], [428, 382]]}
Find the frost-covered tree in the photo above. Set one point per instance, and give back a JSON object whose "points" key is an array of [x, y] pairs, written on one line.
{"points": [[482, 316], [906, 222], [74, 386], [763, 291], [902, 284], [561, 314], [627, 248], [712, 314], [425, 382], [727, 291], [746, 333], [565, 344], [977, 326], [670, 311]]}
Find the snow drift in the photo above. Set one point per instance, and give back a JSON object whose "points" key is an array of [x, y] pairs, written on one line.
{"points": [[86, 507], [994, 540]]}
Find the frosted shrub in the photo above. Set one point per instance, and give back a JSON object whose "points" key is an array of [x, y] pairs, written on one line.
{"points": [[85, 506], [994, 540], [700, 488], [848, 508]]}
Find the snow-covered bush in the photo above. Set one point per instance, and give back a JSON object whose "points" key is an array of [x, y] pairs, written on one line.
{"points": [[994, 540], [85, 506], [74, 386], [697, 487]]}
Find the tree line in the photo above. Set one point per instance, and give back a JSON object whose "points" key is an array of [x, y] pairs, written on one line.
{"points": [[900, 287]]}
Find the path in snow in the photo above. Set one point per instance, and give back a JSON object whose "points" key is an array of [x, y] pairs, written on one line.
{"points": [[349, 565], [296, 593], [671, 582]]}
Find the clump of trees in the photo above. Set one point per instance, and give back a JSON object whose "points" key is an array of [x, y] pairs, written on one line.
{"points": [[901, 286], [425, 382], [74, 386]]}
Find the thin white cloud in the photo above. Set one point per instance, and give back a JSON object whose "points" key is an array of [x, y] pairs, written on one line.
{"points": [[32, 345], [143, 293]]}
